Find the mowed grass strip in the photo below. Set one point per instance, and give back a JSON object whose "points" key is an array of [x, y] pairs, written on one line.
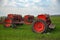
{"points": [[24, 32]]}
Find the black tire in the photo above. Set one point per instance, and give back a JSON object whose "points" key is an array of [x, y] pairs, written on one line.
{"points": [[45, 25]]}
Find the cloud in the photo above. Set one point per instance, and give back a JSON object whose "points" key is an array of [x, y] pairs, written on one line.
{"points": [[23, 11], [34, 10], [36, 0], [32, 7], [5, 2], [53, 1]]}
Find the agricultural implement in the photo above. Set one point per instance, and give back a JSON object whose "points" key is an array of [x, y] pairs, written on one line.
{"points": [[13, 20], [40, 25]]}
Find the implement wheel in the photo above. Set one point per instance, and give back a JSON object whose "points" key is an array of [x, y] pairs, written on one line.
{"points": [[40, 26], [7, 22]]}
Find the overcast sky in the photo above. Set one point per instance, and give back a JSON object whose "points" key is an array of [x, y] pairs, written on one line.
{"points": [[31, 7]]}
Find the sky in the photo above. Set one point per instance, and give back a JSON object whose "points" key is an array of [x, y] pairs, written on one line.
{"points": [[31, 7]]}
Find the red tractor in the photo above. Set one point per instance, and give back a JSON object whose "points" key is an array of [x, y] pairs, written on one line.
{"points": [[42, 24]]}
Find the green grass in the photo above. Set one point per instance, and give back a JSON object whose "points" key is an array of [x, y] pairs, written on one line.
{"points": [[24, 32]]}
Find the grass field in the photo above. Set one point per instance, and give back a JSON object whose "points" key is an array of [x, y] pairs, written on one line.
{"points": [[24, 32]]}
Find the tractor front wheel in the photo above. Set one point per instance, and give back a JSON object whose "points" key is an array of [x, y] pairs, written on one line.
{"points": [[40, 26]]}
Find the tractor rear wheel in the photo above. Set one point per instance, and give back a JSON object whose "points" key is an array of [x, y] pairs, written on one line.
{"points": [[7, 22], [40, 26]]}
